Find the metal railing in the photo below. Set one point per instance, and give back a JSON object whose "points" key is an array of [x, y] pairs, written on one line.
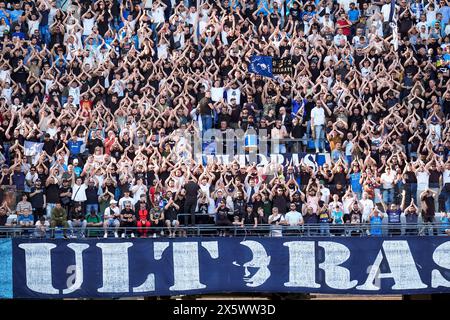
{"points": [[210, 230]]}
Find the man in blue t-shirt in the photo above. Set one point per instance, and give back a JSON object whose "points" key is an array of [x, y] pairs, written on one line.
{"points": [[376, 220], [353, 16], [394, 221], [74, 146]]}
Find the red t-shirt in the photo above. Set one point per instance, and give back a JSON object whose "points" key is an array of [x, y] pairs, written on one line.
{"points": [[143, 215], [346, 29]]}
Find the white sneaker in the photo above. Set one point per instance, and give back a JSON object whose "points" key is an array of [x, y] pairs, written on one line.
{"points": [[154, 235], [105, 235], [132, 235], [162, 232], [123, 235], [116, 235], [317, 150]]}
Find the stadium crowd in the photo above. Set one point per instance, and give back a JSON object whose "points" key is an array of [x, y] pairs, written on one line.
{"points": [[98, 96]]}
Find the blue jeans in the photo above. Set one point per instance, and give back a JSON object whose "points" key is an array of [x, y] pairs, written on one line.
{"points": [[280, 148], [77, 223], [324, 229], [45, 34], [445, 196], [319, 142], [411, 190], [388, 195], [90, 207], [206, 122], [6, 146], [49, 209]]}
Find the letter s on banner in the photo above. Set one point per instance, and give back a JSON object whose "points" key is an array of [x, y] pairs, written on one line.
{"points": [[441, 257]]}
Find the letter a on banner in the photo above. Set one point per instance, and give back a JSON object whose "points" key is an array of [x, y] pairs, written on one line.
{"points": [[402, 266]]}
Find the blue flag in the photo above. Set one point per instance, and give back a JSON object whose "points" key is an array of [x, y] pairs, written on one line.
{"points": [[261, 65]]}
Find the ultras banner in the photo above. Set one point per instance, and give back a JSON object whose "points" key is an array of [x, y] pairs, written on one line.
{"points": [[142, 267]]}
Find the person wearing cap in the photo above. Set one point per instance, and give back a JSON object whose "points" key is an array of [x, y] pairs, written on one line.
{"points": [[111, 219]]}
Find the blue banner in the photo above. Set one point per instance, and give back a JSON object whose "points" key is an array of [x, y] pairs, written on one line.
{"points": [[261, 65], [6, 283], [144, 267]]}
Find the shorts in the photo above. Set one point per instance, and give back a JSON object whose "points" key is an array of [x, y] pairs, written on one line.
{"points": [[12, 219], [173, 223], [22, 218], [113, 222]]}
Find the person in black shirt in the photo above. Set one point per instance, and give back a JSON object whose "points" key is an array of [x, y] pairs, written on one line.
{"points": [[171, 214], [428, 198], [279, 199], [38, 200], [51, 194], [191, 188], [77, 219], [92, 197], [354, 217], [223, 214], [3, 217], [49, 145], [411, 217], [127, 220], [95, 141], [297, 132], [249, 218]]}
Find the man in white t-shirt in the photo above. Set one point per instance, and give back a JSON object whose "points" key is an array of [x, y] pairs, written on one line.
{"points": [[293, 217], [387, 180], [423, 177], [111, 218], [324, 193], [126, 198], [317, 125], [367, 206]]}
